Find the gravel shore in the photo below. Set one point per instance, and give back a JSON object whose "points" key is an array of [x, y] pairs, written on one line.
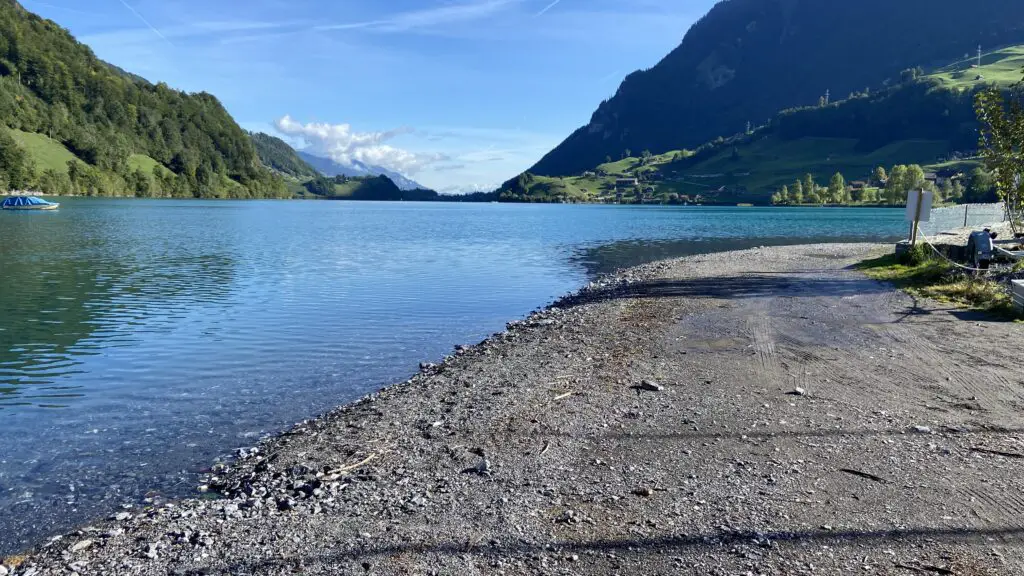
{"points": [[760, 412]]}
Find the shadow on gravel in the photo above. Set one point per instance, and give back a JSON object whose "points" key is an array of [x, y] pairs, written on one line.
{"points": [[732, 287], [768, 435], [711, 541]]}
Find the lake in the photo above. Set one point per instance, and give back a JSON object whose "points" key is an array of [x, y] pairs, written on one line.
{"points": [[142, 339]]}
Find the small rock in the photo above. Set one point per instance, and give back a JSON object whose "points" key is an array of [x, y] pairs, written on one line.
{"points": [[285, 504], [484, 467], [644, 491], [83, 545], [798, 392], [150, 551], [651, 386], [567, 517], [922, 429], [3, 570], [122, 516]]}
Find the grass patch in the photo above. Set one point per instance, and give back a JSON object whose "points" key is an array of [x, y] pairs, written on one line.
{"points": [[144, 163], [46, 153], [939, 280]]}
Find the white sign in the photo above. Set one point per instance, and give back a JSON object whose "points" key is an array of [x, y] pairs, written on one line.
{"points": [[926, 205]]}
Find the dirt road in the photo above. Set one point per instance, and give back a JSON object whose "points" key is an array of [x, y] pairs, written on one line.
{"points": [[759, 412]]}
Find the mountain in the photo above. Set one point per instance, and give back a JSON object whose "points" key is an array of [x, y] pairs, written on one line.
{"points": [[925, 118], [277, 155], [378, 188], [329, 167], [747, 59], [84, 126]]}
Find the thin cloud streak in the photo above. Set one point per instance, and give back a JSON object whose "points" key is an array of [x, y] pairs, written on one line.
{"points": [[429, 18], [548, 7], [63, 8], [144, 21]]}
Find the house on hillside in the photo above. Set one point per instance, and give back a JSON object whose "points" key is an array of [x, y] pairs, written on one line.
{"points": [[626, 183], [950, 174]]}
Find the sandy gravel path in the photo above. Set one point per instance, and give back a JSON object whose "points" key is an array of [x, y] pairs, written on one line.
{"points": [[758, 412]]}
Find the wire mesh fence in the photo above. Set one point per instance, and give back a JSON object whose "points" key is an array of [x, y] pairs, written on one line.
{"points": [[965, 215]]}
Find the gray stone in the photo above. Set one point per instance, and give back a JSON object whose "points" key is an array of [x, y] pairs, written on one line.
{"points": [[83, 545]]}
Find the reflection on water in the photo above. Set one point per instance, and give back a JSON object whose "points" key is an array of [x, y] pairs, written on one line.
{"points": [[61, 308], [140, 339]]}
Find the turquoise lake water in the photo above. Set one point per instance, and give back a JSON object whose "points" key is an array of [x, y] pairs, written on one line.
{"points": [[140, 340]]}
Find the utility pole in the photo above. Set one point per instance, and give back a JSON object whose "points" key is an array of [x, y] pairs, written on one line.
{"points": [[979, 55], [828, 96]]}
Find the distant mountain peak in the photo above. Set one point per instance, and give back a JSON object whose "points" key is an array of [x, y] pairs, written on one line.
{"points": [[329, 167]]}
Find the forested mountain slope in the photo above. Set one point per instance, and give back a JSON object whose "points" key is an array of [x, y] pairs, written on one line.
{"points": [[276, 154], [747, 59], [115, 123], [925, 118]]}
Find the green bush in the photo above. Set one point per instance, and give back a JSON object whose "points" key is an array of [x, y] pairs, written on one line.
{"points": [[915, 256]]}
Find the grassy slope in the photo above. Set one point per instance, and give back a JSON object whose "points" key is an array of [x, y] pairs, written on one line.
{"points": [[938, 280], [1001, 66], [46, 153], [52, 155], [765, 165]]}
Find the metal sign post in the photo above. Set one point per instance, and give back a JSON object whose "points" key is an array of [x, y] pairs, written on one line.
{"points": [[919, 209]]}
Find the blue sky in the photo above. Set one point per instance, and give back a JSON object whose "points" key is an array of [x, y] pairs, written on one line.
{"points": [[459, 94]]}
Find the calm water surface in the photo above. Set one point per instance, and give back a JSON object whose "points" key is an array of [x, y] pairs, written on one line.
{"points": [[140, 340]]}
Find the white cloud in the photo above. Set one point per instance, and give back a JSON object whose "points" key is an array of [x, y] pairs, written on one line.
{"points": [[345, 146]]}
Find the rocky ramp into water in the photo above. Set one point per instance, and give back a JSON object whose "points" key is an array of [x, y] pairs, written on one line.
{"points": [[761, 412]]}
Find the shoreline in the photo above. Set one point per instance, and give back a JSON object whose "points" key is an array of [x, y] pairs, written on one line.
{"points": [[389, 457]]}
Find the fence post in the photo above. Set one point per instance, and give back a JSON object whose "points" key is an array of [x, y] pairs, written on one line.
{"points": [[917, 218]]}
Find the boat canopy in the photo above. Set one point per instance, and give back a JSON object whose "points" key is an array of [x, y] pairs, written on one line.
{"points": [[25, 201]]}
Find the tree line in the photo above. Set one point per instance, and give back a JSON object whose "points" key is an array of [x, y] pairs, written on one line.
{"points": [[888, 187]]}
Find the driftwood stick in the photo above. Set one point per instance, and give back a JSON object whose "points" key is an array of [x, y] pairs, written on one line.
{"points": [[996, 452], [871, 477]]}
